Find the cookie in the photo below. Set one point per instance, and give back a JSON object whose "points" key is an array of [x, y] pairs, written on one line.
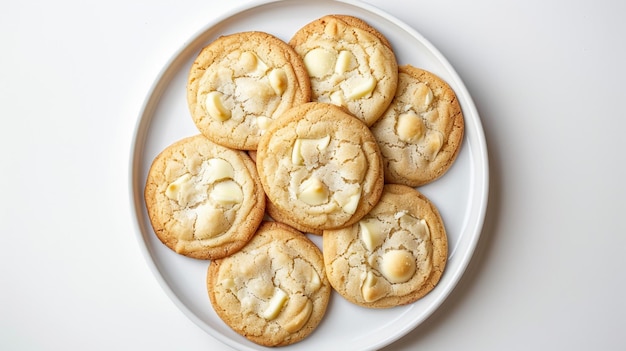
{"points": [[240, 83], [421, 132], [350, 63], [204, 200], [393, 256], [320, 166], [274, 291]]}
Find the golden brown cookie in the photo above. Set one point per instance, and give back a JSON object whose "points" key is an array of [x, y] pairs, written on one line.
{"points": [[420, 135], [393, 256], [351, 64], [204, 200], [240, 83], [320, 166], [274, 291]]}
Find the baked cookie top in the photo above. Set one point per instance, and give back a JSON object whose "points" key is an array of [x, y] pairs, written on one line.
{"points": [[350, 63], [421, 132], [204, 200], [393, 256], [240, 83], [320, 165], [274, 291]]}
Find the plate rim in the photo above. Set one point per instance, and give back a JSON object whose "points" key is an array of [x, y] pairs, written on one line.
{"points": [[160, 82]]}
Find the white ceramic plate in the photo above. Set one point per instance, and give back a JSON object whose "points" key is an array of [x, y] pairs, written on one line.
{"points": [[460, 195]]}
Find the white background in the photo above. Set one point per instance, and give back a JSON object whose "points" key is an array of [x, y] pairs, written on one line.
{"points": [[547, 77]]}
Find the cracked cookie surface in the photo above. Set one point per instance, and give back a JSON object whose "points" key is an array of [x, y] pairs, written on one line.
{"points": [[204, 200], [240, 83], [393, 256], [321, 166], [421, 132], [274, 291], [350, 63]]}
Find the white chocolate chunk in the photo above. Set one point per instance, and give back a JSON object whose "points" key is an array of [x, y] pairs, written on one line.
{"points": [[352, 202], [321, 143], [331, 29], [313, 192], [319, 62], [255, 90], [210, 222], [337, 99], [370, 280], [370, 290], [422, 97], [261, 68], [252, 64], [296, 153], [314, 281], [348, 200], [275, 304], [278, 80], [372, 234], [302, 146], [424, 230], [227, 193], [428, 97], [418, 226], [248, 61], [434, 142], [398, 266], [218, 169], [344, 62], [181, 190], [362, 89], [311, 144], [410, 127], [263, 122], [299, 318], [215, 106]]}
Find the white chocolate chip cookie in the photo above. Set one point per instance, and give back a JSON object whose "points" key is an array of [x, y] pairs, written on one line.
{"points": [[320, 166], [240, 83], [274, 291], [421, 133], [350, 63], [204, 200], [393, 256]]}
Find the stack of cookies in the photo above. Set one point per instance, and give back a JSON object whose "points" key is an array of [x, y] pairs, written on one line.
{"points": [[325, 134]]}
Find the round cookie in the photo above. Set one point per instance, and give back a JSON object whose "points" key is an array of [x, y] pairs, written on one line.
{"points": [[274, 291], [320, 166], [204, 200], [420, 135], [351, 64], [393, 256], [240, 83]]}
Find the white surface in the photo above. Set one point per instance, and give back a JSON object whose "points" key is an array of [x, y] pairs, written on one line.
{"points": [[460, 195], [547, 79]]}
